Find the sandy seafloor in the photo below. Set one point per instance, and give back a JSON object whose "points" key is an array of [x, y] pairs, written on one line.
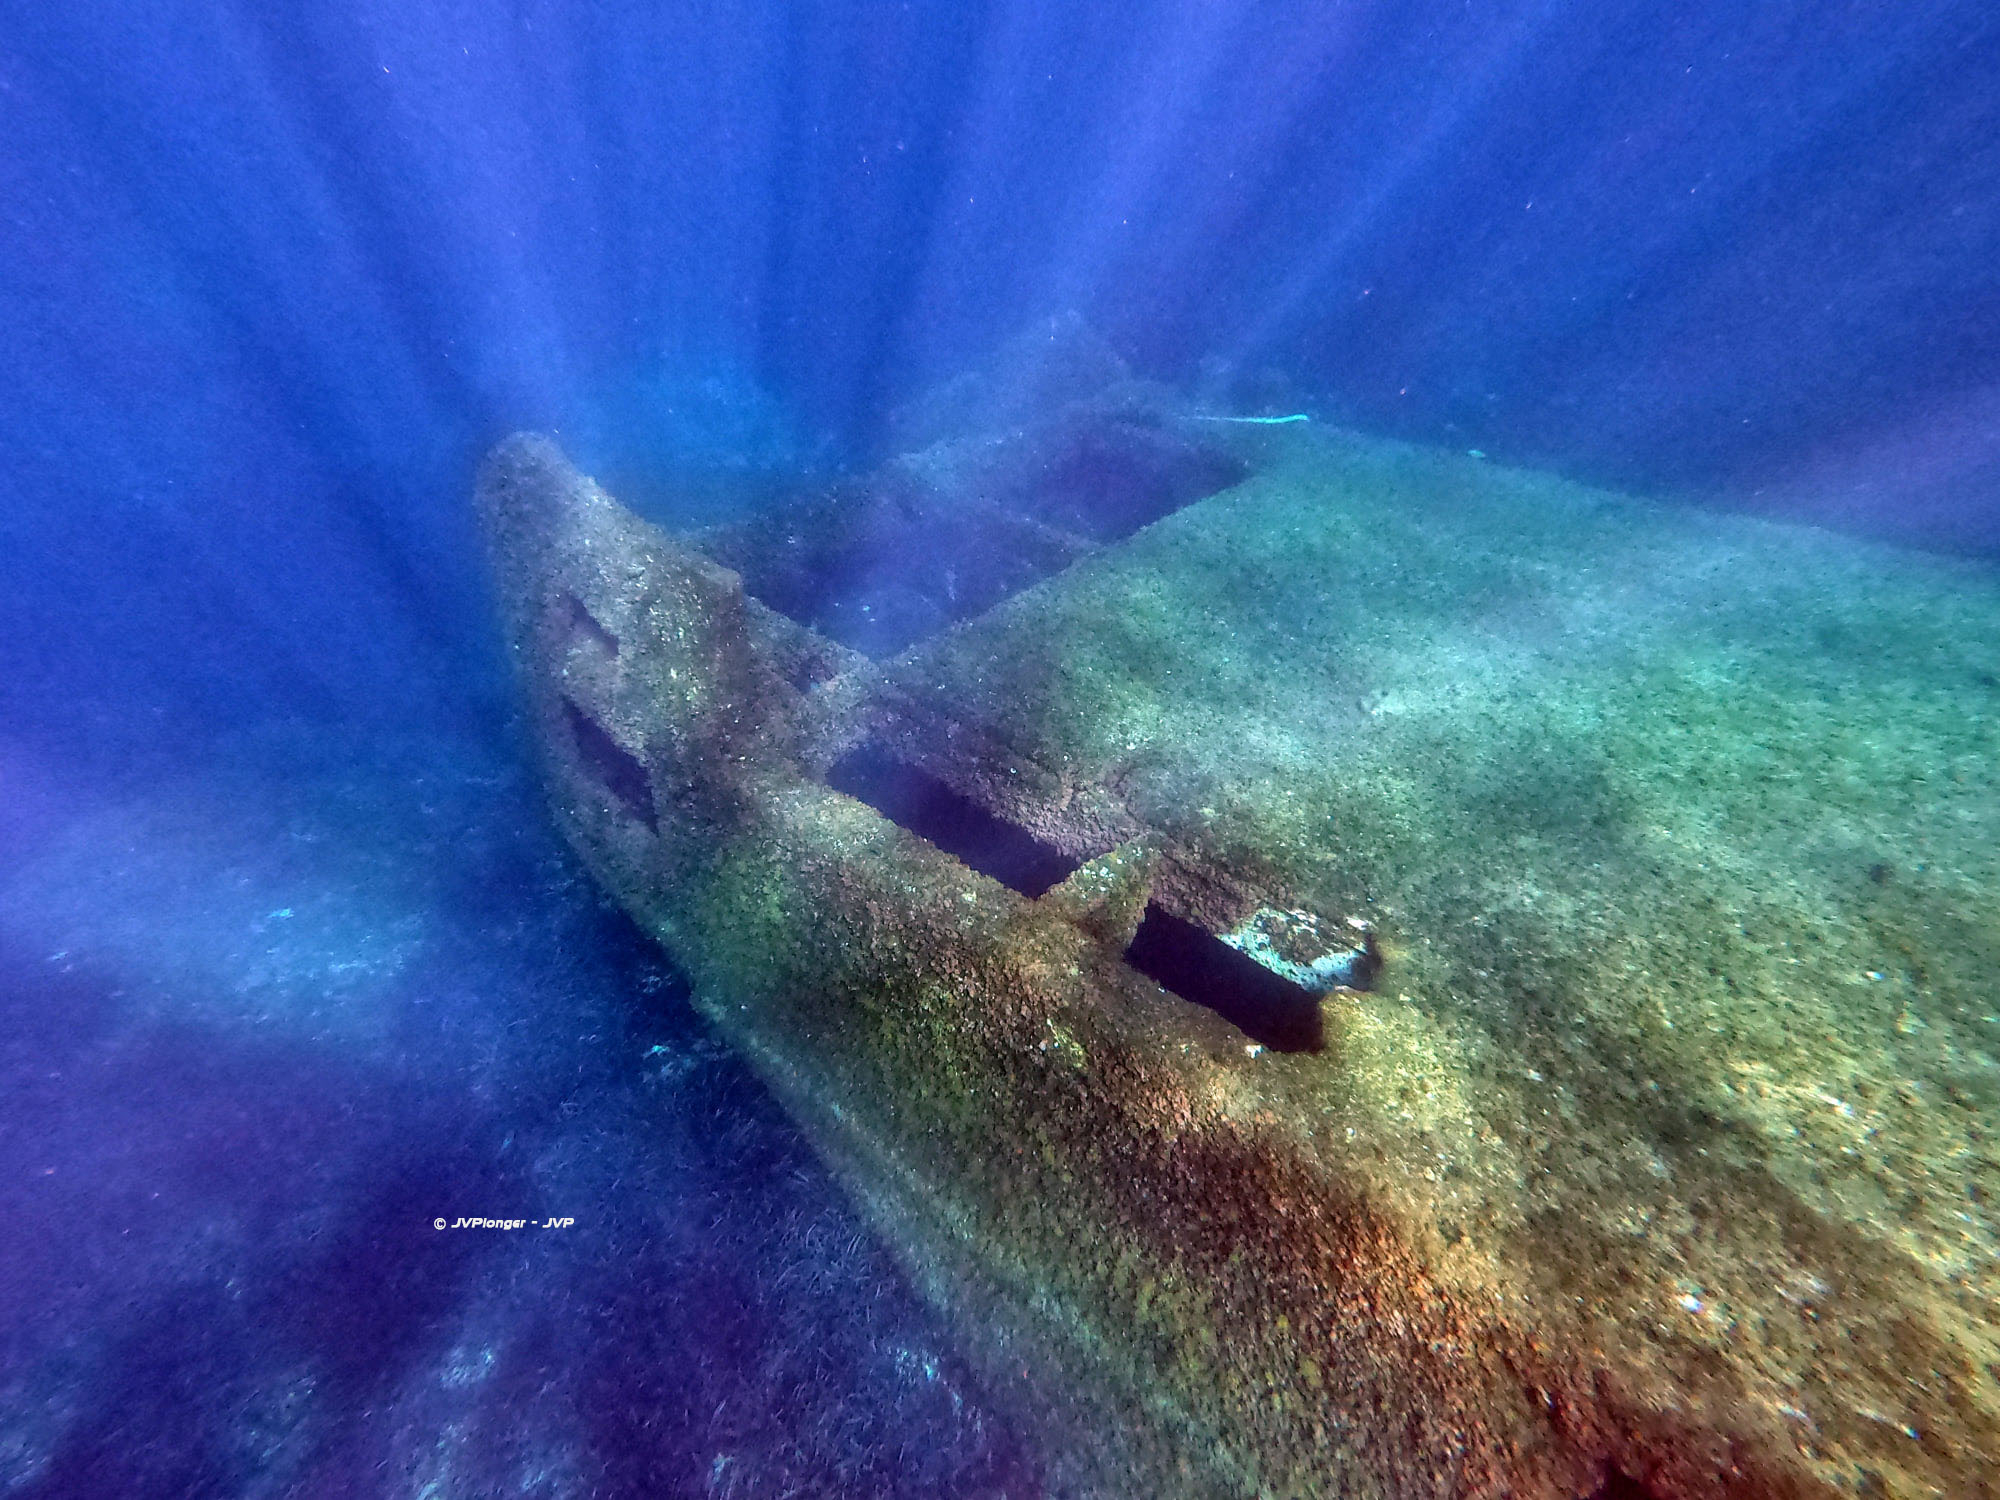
{"points": [[1682, 831], [273, 1011]]}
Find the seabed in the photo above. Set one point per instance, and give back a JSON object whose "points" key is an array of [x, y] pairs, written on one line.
{"points": [[1396, 978]]}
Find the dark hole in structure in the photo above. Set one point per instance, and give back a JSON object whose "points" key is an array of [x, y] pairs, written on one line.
{"points": [[1618, 1485], [919, 802], [582, 622], [618, 768], [1197, 965], [1107, 485], [806, 673], [880, 569], [885, 562]]}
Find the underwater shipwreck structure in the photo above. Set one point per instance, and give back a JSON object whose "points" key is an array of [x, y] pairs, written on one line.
{"points": [[1345, 970]]}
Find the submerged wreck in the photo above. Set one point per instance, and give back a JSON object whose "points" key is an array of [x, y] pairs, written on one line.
{"points": [[1345, 970]]}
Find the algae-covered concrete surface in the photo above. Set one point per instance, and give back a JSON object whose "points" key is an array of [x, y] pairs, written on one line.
{"points": [[1683, 835], [1658, 1156]]}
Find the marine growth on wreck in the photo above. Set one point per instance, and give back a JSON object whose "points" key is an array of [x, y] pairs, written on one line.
{"points": [[1000, 750], [1346, 969]]}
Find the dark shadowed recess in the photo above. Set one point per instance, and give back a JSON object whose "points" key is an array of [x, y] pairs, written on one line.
{"points": [[1175, 954], [583, 624], [919, 802], [1197, 965], [1619, 1485], [889, 560], [620, 771], [1105, 484]]}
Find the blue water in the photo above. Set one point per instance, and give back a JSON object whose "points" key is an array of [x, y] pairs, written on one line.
{"points": [[291, 963]]}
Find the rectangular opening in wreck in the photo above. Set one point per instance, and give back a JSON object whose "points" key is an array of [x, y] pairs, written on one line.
{"points": [[889, 560], [1111, 481], [1197, 965], [585, 625], [616, 767], [917, 801]]}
